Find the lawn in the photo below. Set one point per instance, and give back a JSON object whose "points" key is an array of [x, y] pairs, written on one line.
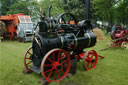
{"points": [[112, 70]]}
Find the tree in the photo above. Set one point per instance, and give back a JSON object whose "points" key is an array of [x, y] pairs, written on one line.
{"points": [[23, 6], [105, 9], [122, 12], [56, 8], [5, 4], [28, 7], [76, 7]]}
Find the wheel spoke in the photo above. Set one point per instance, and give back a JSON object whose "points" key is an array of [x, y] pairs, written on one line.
{"points": [[90, 61], [62, 70], [58, 73], [63, 62], [93, 63], [28, 62], [27, 58], [58, 56], [29, 53], [69, 19], [64, 20], [54, 75], [48, 71], [88, 64], [50, 74], [49, 59], [92, 57], [63, 65], [87, 59]]}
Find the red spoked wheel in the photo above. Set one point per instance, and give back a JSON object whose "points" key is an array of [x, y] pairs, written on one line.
{"points": [[27, 59], [90, 59], [55, 65]]}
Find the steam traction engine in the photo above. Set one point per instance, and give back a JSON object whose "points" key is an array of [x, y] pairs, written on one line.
{"points": [[58, 45]]}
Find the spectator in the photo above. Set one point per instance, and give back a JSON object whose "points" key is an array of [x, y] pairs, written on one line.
{"points": [[122, 27], [117, 27], [113, 28]]}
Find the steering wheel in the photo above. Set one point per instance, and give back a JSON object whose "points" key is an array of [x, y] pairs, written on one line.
{"points": [[66, 18]]}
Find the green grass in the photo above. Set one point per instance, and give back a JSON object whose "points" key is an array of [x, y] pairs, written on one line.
{"points": [[112, 70]]}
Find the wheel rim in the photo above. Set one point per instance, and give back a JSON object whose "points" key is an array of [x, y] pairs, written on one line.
{"points": [[27, 58], [124, 44], [67, 18], [55, 65], [90, 60]]}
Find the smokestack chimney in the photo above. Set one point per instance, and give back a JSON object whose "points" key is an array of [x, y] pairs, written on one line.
{"points": [[87, 6]]}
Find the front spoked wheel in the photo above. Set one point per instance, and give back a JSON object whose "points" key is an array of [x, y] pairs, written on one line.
{"points": [[90, 60], [28, 59], [55, 65]]}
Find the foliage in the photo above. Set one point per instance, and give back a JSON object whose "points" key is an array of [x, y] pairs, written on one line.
{"points": [[76, 7], [112, 11], [122, 12], [56, 7], [105, 10], [5, 4], [20, 7], [28, 7]]}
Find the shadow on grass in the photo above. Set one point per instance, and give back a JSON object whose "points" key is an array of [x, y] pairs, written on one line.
{"points": [[69, 82], [80, 78]]}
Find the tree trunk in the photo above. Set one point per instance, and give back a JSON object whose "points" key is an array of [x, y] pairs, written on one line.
{"points": [[110, 23]]}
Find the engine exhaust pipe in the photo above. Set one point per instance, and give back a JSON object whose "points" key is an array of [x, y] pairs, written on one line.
{"points": [[87, 6]]}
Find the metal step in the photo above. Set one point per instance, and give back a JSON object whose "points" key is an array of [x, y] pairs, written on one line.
{"points": [[35, 69]]}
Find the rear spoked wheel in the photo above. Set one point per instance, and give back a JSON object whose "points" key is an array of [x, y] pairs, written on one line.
{"points": [[28, 59], [55, 65], [90, 59]]}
